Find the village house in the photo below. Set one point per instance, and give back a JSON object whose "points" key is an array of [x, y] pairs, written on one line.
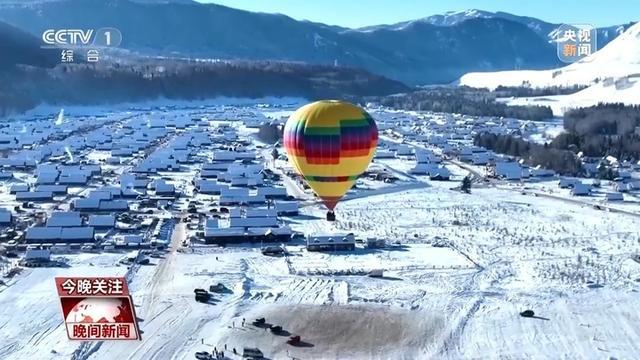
{"points": [[331, 242], [614, 196], [64, 219], [580, 189], [6, 218], [16, 188], [434, 171], [508, 170], [102, 221], [47, 234], [286, 208], [34, 196]]}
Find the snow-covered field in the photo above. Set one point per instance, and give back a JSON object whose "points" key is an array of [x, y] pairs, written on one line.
{"points": [[564, 262], [617, 59], [615, 68], [31, 324], [593, 95], [458, 268]]}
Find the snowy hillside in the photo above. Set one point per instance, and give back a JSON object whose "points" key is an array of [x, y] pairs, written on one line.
{"points": [[620, 58], [624, 90], [449, 18]]}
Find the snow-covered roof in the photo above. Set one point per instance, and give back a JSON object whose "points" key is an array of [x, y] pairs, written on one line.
{"points": [[64, 219], [102, 220], [209, 186], [580, 188], [270, 191], [56, 189], [77, 233], [250, 199], [614, 196], [41, 254], [6, 174], [100, 195], [47, 178], [509, 170], [253, 212], [114, 205], [86, 204], [215, 166], [5, 216], [164, 188], [331, 239], [19, 188], [129, 238], [43, 233], [34, 195], [286, 206], [222, 232], [73, 179], [252, 222]]}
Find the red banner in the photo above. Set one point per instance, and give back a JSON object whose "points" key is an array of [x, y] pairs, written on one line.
{"points": [[97, 308], [91, 286]]}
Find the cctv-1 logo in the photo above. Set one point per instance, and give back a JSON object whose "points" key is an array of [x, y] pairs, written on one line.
{"points": [[67, 37], [104, 37]]}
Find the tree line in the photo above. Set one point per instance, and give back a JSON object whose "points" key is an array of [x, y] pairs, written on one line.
{"points": [[142, 79], [462, 100], [562, 161], [597, 131], [527, 91], [603, 130]]}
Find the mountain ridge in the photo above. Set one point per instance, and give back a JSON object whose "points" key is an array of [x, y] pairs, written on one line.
{"points": [[543, 28], [612, 75], [20, 48], [420, 54], [31, 75]]}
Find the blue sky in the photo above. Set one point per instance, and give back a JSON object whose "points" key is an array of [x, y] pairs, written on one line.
{"points": [[357, 13]]}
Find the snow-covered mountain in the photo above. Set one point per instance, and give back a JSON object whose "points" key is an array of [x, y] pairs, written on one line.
{"points": [[620, 59], [20, 47], [418, 53], [450, 18], [611, 74], [625, 90], [546, 30]]}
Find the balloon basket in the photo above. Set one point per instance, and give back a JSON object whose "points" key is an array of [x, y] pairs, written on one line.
{"points": [[331, 216]]}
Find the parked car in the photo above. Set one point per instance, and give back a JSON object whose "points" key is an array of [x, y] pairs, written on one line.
{"points": [[203, 355], [527, 313], [276, 329], [294, 340], [252, 353]]}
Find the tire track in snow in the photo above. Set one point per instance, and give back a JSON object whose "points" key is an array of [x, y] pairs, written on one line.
{"points": [[451, 342]]}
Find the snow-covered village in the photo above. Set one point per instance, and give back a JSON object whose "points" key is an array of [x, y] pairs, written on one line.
{"points": [[226, 180], [177, 198]]}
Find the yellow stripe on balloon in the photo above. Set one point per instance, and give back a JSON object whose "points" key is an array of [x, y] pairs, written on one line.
{"points": [[331, 114], [331, 189], [346, 166]]}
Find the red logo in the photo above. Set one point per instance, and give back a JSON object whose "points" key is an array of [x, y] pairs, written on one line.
{"points": [[97, 308]]}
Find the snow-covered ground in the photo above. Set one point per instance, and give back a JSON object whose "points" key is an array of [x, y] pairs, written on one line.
{"points": [[31, 324], [458, 268], [619, 58], [626, 93], [505, 255]]}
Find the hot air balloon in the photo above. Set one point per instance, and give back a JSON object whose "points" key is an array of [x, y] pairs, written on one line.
{"points": [[330, 143]]}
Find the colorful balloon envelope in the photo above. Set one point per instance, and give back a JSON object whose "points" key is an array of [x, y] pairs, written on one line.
{"points": [[330, 143]]}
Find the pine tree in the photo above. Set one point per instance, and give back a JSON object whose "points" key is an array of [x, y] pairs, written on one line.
{"points": [[466, 184]]}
